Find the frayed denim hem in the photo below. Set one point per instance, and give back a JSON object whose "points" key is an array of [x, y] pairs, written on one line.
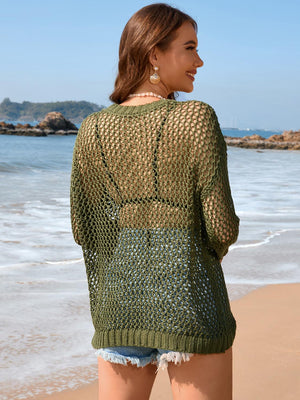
{"points": [[171, 356], [123, 360], [160, 358]]}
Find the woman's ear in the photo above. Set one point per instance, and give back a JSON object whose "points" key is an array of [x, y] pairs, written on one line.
{"points": [[153, 56]]}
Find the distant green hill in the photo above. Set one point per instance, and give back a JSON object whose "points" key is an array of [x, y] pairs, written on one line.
{"points": [[75, 111]]}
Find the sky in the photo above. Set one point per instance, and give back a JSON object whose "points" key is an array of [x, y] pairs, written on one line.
{"points": [[68, 50]]}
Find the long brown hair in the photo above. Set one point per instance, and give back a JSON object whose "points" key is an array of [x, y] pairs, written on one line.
{"points": [[151, 26]]}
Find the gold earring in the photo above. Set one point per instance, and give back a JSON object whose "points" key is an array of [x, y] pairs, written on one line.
{"points": [[155, 78]]}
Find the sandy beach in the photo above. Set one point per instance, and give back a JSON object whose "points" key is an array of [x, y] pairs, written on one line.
{"points": [[266, 349]]}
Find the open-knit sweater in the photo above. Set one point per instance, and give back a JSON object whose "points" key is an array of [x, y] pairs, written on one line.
{"points": [[152, 209]]}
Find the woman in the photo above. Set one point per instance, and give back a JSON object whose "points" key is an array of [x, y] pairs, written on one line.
{"points": [[152, 209]]}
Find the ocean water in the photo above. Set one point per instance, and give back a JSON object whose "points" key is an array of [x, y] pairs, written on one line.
{"points": [[45, 322]]}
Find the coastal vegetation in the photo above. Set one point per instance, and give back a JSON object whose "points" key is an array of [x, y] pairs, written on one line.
{"points": [[75, 111]]}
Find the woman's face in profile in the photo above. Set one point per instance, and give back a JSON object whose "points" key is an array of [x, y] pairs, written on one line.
{"points": [[178, 64]]}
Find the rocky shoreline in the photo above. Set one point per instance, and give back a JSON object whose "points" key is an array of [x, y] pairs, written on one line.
{"points": [[55, 124], [288, 140]]}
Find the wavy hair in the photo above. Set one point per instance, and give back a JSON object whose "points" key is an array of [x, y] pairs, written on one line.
{"points": [[153, 25]]}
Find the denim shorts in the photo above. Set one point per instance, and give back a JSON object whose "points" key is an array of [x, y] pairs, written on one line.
{"points": [[141, 356]]}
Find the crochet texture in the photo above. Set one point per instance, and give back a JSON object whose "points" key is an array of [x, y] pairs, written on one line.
{"points": [[152, 209]]}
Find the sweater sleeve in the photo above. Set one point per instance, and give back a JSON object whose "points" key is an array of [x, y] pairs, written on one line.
{"points": [[220, 221], [74, 188], [78, 190]]}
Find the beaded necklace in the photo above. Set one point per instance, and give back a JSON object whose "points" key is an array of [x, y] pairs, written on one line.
{"points": [[146, 94]]}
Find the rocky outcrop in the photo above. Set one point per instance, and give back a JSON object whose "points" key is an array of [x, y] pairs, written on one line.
{"points": [[288, 140], [56, 122], [53, 124]]}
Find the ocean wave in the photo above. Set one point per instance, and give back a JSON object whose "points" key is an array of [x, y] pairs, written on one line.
{"points": [[43, 281], [24, 167], [62, 262], [256, 281], [13, 167], [36, 264], [262, 214], [271, 236]]}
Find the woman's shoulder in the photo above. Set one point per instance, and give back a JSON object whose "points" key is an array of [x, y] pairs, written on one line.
{"points": [[88, 127], [196, 108], [195, 105], [90, 119], [89, 123]]}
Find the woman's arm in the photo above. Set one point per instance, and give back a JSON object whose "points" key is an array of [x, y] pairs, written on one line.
{"points": [[79, 192], [221, 222], [75, 189]]}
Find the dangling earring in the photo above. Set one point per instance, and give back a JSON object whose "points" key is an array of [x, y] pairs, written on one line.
{"points": [[155, 78]]}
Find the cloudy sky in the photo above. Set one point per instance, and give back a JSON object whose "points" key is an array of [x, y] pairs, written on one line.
{"points": [[67, 50]]}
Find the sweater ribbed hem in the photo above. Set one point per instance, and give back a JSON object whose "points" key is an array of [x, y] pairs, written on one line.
{"points": [[157, 340]]}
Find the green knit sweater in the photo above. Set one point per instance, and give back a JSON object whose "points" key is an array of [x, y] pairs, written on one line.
{"points": [[151, 207]]}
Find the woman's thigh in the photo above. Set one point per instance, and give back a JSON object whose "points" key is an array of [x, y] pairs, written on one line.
{"points": [[125, 382], [204, 377]]}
